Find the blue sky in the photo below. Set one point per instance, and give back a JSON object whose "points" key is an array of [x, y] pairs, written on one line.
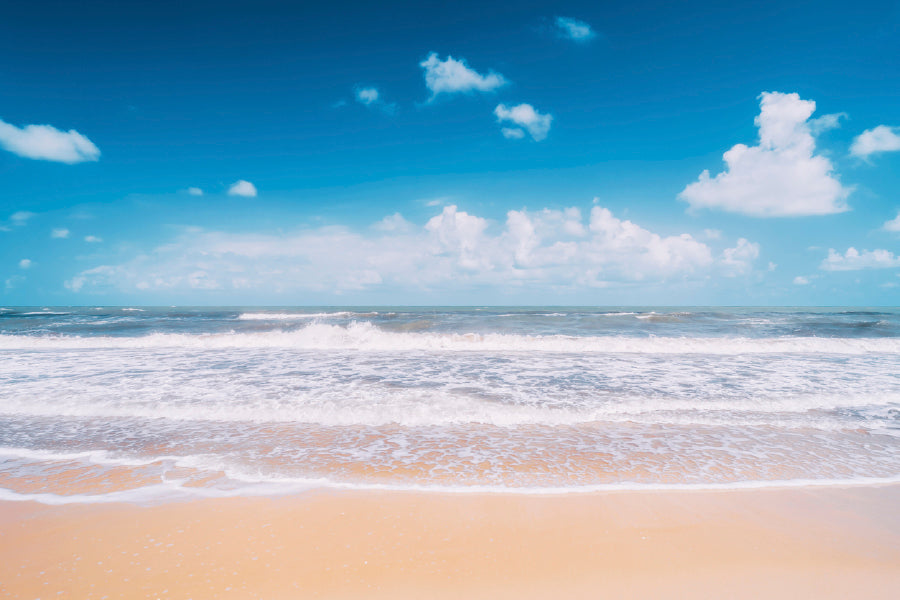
{"points": [[473, 153]]}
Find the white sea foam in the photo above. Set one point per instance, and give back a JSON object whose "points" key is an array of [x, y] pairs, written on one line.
{"points": [[355, 400], [365, 336], [348, 405], [173, 490], [301, 316], [96, 457]]}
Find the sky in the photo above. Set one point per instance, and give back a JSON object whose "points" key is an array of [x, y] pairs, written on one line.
{"points": [[468, 153]]}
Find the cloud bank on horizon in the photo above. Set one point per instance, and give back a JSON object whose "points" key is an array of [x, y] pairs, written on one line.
{"points": [[546, 248]]}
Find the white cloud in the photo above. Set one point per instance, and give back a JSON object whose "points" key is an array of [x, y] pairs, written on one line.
{"points": [[872, 141], [893, 224], [712, 234], [780, 177], [242, 188], [524, 115], [366, 95], [370, 96], [826, 123], [739, 260], [20, 217], [801, 280], [61, 233], [394, 222], [92, 239], [462, 235], [854, 260], [454, 250], [452, 76], [25, 263], [575, 30], [195, 191], [44, 142], [13, 281], [512, 133]]}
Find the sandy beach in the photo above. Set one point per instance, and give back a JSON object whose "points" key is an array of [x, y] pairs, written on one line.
{"points": [[774, 543]]}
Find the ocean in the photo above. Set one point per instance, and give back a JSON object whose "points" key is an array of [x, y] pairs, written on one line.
{"points": [[144, 404]]}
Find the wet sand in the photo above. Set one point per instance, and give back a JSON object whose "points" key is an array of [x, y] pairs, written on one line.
{"points": [[787, 543]]}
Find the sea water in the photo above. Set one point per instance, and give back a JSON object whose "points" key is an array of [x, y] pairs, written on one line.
{"points": [[106, 404]]}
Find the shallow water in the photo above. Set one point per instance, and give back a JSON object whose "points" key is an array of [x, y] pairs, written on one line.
{"points": [[102, 403]]}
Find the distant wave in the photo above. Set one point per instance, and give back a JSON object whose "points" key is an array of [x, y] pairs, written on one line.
{"points": [[364, 336], [300, 316]]}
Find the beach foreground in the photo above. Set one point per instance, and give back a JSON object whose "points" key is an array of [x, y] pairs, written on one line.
{"points": [[774, 543]]}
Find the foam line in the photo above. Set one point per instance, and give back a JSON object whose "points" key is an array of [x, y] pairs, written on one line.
{"points": [[174, 491], [364, 336]]}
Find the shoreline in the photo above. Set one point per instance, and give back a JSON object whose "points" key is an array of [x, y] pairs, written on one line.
{"points": [[823, 542]]}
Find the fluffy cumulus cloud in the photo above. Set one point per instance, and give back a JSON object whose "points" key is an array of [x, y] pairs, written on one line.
{"points": [[451, 76], [44, 142], [873, 141], [453, 250], [893, 225], [242, 188], [61, 233], [780, 177], [573, 29], [854, 260], [526, 117]]}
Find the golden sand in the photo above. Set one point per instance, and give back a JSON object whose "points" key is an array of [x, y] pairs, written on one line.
{"points": [[797, 543]]}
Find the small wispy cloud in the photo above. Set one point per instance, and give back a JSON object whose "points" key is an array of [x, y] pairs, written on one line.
{"points": [[195, 191], [826, 122], [59, 234], [371, 97], [526, 117], [92, 239], [20, 217], [574, 29], [451, 76], [242, 188], [12, 282], [876, 140], [45, 142], [367, 95], [25, 263], [512, 133], [893, 225]]}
